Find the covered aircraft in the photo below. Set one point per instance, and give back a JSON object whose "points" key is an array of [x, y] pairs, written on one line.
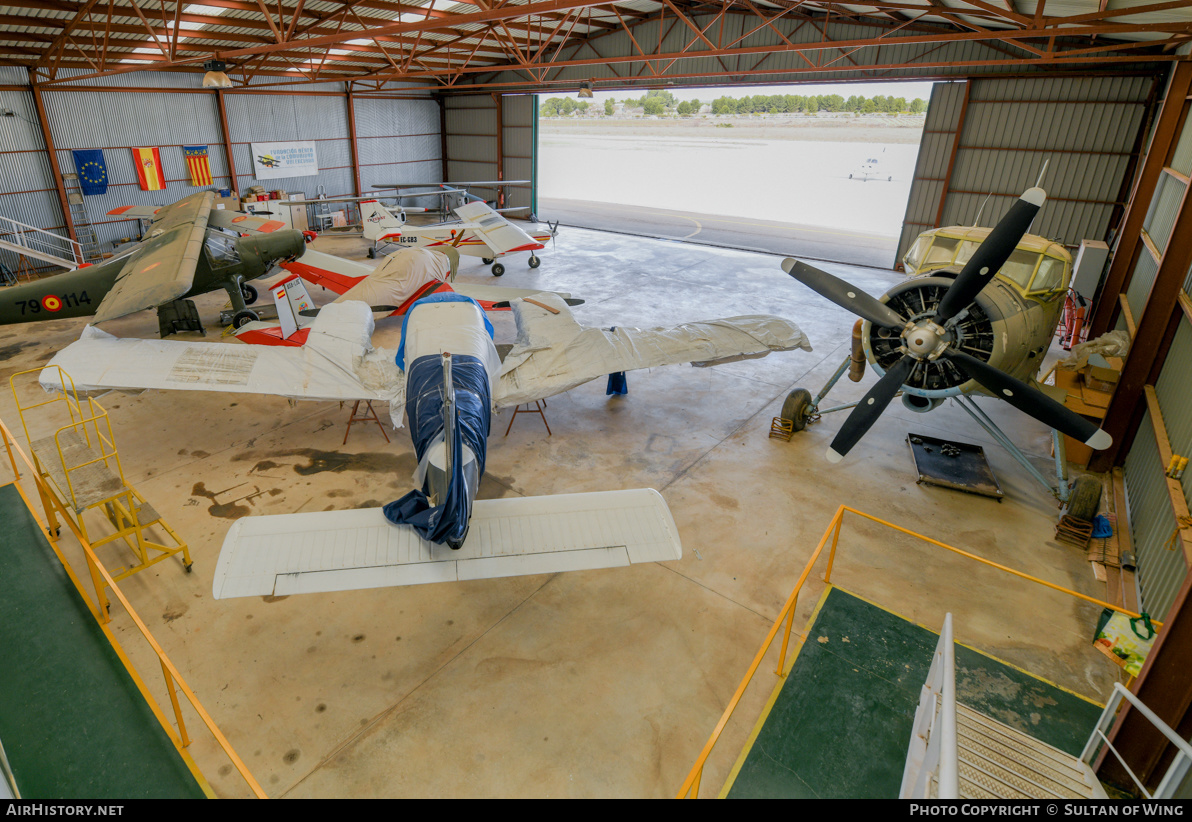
{"points": [[447, 377], [190, 249]]}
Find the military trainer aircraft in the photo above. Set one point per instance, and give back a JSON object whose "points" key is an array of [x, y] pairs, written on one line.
{"points": [[190, 249], [447, 377]]}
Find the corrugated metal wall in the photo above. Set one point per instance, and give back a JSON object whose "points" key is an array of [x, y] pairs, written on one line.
{"points": [[471, 135], [473, 144], [1162, 565], [1085, 128], [115, 121], [398, 140]]}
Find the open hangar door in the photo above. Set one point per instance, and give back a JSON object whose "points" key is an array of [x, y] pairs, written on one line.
{"points": [[985, 141]]}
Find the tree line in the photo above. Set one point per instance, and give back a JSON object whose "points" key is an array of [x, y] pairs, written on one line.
{"points": [[658, 103]]}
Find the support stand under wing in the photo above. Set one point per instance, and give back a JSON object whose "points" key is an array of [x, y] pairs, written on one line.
{"points": [[347, 550]]}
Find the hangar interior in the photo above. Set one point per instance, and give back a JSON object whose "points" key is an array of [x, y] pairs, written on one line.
{"points": [[602, 682]]}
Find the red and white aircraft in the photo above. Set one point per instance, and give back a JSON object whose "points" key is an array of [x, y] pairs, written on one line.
{"points": [[479, 232]]}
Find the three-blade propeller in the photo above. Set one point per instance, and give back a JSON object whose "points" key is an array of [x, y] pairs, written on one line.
{"points": [[927, 339]]}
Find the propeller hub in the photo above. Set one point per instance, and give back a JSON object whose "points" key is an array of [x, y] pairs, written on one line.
{"points": [[926, 340]]}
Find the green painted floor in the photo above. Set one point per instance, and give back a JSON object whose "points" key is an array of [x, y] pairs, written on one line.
{"points": [[839, 728], [72, 722]]}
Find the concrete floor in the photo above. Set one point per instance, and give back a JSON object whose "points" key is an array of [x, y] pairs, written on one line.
{"points": [[589, 684]]}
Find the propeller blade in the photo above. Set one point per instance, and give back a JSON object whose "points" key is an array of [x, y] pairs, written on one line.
{"points": [[568, 300], [384, 309], [1031, 401], [992, 254], [870, 408], [844, 295]]}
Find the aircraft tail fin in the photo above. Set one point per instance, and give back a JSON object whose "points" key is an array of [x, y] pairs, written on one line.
{"points": [[345, 550], [377, 219], [292, 298]]}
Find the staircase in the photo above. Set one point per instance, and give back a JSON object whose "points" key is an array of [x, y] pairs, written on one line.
{"points": [[996, 761]]}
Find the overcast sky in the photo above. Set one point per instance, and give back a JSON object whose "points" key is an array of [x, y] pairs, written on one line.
{"points": [[908, 90]]}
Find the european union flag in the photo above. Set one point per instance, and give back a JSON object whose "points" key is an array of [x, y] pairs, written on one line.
{"points": [[93, 171]]}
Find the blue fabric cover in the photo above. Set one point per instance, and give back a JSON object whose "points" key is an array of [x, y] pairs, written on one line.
{"points": [[449, 297], [424, 407]]}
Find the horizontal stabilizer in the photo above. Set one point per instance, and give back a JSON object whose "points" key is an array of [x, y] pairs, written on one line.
{"points": [[347, 550]]}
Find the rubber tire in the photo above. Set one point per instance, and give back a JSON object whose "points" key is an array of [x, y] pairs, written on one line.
{"points": [[249, 293], [486, 260], [889, 179], [372, 253], [498, 269], [1085, 498], [795, 408], [850, 176], [243, 318], [535, 261]]}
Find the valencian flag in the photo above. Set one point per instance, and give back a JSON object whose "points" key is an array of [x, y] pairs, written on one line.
{"points": [[199, 165], [149, 171], [93, 171]]}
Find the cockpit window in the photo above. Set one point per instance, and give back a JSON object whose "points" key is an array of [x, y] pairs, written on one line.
{"points": [[941, 252], [222, 248], [1021, 266], [912, 259], [1050, 276]]}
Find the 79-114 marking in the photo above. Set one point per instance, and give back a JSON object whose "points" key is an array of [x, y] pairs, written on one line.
{"points": [[52, 303]]}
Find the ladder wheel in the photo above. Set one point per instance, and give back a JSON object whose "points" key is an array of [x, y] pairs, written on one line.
{"points": [[795, 408]]}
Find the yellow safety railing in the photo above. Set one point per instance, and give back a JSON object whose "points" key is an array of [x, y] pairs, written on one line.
{"points": [[102, 580], [690, 788]]}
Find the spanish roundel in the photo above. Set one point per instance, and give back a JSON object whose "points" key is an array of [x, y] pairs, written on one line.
{"points": [[51, 303]]}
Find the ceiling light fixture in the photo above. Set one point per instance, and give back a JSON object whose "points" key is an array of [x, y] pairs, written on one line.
{"points": [[215, 76]]}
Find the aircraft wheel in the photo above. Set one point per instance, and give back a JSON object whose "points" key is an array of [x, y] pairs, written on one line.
{"points": [[796, 407], [372, 253], [889, 179], [243, 318], [535, 261], [250, 293], [498, 269], [486, 260], [850, 176]]}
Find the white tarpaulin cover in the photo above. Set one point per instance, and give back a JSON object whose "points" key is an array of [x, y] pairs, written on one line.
{"points": [[338, 362], [553, 353], [399, 277]]}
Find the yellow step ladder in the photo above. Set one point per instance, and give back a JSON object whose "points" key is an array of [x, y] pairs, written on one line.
{"points": [[75, 453]]}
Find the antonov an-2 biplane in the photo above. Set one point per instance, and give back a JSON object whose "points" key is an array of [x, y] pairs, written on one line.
{"points": [[447, 377], [190, 249]]}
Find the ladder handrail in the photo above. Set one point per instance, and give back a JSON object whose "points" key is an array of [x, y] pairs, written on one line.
{"points": [[20, 230], [1175, 770], [933, 744]]}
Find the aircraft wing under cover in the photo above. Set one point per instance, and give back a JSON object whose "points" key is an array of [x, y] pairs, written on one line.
{"points": [[553, 353], [162, 268], [347, 550], [498, 233], [338, 362]]}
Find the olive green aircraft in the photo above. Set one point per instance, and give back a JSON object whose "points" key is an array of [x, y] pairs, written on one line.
{"points": [[191, 248]]}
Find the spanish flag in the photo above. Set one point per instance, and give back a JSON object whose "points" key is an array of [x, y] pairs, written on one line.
{"points": [[199, 165], [149, 171]]}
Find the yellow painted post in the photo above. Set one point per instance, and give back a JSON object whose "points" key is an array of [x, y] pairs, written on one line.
{"points": [[838, 520], [174, 701]]}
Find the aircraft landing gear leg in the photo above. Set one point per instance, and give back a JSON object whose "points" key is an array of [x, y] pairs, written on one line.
{"points": [[236, 292]]}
